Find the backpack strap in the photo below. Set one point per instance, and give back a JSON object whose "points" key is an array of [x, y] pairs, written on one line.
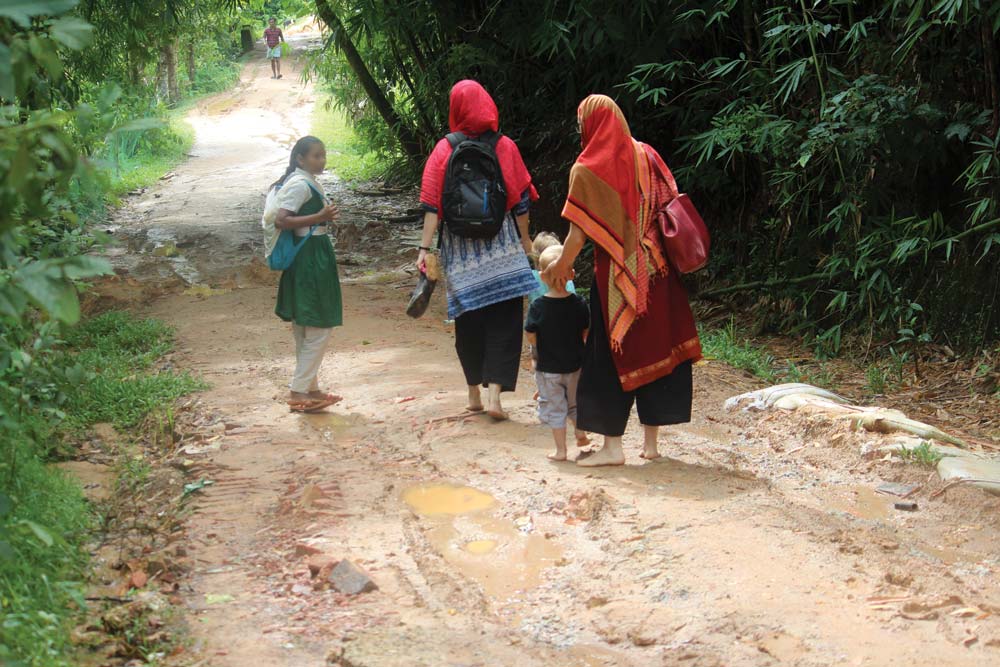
{"points": [[492, 138], [455, 138]]}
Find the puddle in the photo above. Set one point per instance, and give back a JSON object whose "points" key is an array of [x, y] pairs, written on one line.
{"points": [[491, 551], [96, 479], [332, 423], [480, 547], [446, 499], [863, 503], [494, 553]]}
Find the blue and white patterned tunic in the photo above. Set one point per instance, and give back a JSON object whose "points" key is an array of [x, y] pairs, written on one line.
{"points": [[483, 272]]}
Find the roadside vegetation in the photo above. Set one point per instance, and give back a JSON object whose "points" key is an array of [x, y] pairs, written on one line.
{"points": [[849, 175], [346, 153], [90, 100]]}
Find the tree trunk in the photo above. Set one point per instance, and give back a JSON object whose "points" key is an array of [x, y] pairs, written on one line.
{"points": [[407, 140], [190, 63], [162, 91], [168, 73]]}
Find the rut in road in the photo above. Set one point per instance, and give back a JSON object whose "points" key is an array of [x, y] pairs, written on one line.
{"points": [[727, 552]]}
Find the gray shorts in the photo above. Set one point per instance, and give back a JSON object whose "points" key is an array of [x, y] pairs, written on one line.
{"points": [[556, 397]]}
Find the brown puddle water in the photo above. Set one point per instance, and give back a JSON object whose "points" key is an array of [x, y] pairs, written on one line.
{"points": [[446, 499], [489, 550], [333, 424], [863, 503]]}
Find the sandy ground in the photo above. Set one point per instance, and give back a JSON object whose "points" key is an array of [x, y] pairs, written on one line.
{"points": [[757, 541]]}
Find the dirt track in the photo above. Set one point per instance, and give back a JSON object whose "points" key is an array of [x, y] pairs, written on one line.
{"points": [[756, 542]]}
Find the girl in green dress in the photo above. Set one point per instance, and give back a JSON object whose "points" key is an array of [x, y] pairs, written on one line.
{"points": [[309, 292]]}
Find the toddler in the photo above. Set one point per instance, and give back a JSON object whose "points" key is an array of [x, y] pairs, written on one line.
{"points": [[557, 327], [542, 241]]}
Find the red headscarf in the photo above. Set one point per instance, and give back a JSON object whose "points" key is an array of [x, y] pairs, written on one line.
{"points": [[472, 112], [613, 193], [611, 198]]}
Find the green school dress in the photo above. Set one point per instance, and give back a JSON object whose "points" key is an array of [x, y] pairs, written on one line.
{"points": [[309, 291]]}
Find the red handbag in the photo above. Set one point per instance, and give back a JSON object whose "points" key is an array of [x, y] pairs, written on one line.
{"points": [[685, 236]]}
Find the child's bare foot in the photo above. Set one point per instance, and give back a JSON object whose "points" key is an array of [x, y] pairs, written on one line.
{"points": [[493, 407], [475, 400], [650, 455], [558, 455], [582, 439]]}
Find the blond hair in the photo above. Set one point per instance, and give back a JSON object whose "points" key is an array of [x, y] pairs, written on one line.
{"points": [[544, 240], [548, 256]]}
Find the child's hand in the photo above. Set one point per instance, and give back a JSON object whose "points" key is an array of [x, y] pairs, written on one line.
{"points": [[329, 213]]}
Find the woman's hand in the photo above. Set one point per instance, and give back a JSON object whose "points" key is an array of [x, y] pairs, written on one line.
{"points": [[422, 261], [559, 272]]}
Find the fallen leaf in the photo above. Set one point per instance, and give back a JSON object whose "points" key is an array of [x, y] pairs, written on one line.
{"points": [[138, 579]]}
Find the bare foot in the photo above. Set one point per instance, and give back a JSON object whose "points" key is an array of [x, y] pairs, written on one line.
{"points": [[601, 457], [558, 456], [475, 400], [582, 439], [610, 454], [493, 407], [650, 443]]}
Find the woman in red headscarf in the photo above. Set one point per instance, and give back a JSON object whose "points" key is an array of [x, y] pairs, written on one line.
{"points": [[643, 339], [487, 279]]}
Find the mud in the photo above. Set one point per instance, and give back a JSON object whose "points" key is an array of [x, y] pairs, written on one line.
{"points": [[758, 540]]}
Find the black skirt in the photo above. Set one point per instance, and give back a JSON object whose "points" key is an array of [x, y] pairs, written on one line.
{"points": [[603, 407], [488, 341]]}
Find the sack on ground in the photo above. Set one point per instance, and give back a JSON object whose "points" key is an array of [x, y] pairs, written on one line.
{"points": [[421, 295]]}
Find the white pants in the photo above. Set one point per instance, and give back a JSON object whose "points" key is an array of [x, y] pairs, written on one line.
{"points": [[310, 345]]}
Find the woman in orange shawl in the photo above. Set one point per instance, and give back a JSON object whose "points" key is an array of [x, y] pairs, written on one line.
{"points": [[643, 339]]}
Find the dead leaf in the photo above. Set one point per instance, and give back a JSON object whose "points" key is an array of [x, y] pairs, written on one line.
{"points": [[138, 579]]}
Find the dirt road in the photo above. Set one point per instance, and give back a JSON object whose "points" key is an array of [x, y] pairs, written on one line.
{"points": [[756, 542]]}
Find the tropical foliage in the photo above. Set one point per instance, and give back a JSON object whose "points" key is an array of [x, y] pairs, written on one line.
{"points": [[845, 151], [82, 97]]}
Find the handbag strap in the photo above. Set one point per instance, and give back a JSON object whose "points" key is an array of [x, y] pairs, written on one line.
{"points": [[665, 175]]}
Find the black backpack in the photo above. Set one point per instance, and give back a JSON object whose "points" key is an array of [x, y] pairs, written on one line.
{"points": [[474, 200]]}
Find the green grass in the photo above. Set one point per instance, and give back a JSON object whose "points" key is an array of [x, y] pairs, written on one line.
{"points": [[41, 562], [117, 352], [153, 159], [44, 519], [922, 455], [346, 155], [728, 345]]}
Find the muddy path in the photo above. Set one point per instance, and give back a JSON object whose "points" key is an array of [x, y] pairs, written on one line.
{"points": [[755, 542]]}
